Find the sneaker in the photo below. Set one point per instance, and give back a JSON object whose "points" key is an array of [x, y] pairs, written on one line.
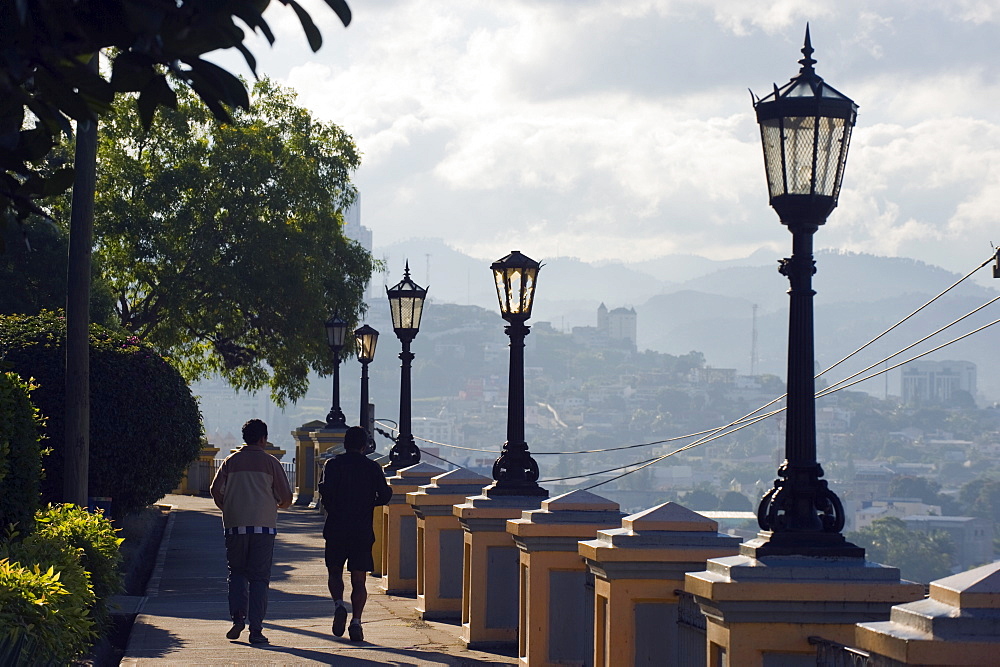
{"points": [[356, 633], [257, 637], [339, 621], [234, 632]]}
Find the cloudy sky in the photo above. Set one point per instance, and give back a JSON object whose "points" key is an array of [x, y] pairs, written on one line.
{"points": [[623, 129]]}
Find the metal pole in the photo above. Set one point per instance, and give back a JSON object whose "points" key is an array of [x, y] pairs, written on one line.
{"points": [[336, 417], [405, 452]]}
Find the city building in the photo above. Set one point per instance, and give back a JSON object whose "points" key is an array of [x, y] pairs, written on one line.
{"points": [[937, 381]]}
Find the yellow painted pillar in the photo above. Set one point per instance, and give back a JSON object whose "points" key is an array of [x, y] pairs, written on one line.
{"points": [[440, 541], [556, 616], [762, 611], [958, 624], [305, 463], [637, 570], [490, 564], [329, 442], [399, 530], [377, 516]]}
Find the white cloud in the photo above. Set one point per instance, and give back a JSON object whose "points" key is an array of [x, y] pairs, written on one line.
{"points": [[611, 130]]}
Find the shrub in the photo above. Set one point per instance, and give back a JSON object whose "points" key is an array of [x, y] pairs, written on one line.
{"points": [[20, 456], [94, 538], [47, 602], [145, 427]]}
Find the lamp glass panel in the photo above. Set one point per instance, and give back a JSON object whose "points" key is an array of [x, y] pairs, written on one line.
{"points": [[416, 311], [499, 276], [336, 333], [368, 342], [527, 289], [770, 134], [516, 282], [394, 307]]}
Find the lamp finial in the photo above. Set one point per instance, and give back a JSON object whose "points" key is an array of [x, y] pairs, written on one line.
{"points": [[807, 61]]}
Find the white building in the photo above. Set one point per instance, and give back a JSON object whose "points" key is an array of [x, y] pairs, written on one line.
{"points": [[937, 381]]}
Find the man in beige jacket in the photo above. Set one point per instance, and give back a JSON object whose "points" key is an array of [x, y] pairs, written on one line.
{"points": [[249, 488]]}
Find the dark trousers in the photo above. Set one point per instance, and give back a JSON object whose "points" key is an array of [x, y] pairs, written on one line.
{"points": [[249, 558]]}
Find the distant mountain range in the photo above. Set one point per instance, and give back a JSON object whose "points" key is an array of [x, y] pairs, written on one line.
{"points": [[689, 303]]}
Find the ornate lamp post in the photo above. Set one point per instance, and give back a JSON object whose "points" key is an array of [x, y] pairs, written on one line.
{"points": [[336, 332], [805, 128], [406, 302], [367, 340], [515, 472]]}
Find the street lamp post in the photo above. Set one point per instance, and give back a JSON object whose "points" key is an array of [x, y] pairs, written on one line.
{"points": [[805, 129], [336, 332], [367, 338], [515, 472], [406, 303]]}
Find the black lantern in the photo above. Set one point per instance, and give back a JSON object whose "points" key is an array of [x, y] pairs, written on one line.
{"points": [[336, 333], [367, 338], [406, 303], [805, 129], [515, 472], [515, 277]]}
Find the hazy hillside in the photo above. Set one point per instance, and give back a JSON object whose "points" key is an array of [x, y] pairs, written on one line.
{"points": [[689, 303]]}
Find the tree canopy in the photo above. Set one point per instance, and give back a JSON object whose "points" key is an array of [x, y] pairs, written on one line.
{"points": [[222, 242], [919, 556], [46, 83]]}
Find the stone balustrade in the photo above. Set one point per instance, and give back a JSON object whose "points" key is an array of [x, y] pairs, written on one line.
{"points": [[399, 530]]}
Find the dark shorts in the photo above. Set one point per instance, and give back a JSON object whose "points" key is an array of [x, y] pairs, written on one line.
{"points": [[356, 552]]}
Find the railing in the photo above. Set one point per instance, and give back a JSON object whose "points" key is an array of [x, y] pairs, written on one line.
{"points": [[832, 654]]}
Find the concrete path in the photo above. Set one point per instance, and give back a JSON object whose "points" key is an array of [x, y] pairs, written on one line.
{"points": [[184, 617]]}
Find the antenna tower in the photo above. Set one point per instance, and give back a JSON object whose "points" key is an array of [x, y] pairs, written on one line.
{"points": [[753, 343]]}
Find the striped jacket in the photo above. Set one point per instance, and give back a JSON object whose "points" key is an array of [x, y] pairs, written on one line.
{"points": [[249, 488]]}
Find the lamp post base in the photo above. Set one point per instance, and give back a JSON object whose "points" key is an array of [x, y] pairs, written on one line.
{"points": [[797, 543], [515, 489]]}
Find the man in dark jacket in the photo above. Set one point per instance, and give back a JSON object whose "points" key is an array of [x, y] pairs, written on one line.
{"points": [[353, 485]]}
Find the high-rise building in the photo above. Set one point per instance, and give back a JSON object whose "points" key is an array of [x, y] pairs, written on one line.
{"points": [[937, 381]]}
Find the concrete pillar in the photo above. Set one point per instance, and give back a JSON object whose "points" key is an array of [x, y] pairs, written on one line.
{"points": [[440, 542], [305, 463], [329, 442], [958, 624], [555, 610], [399, 530], [490, 565], [378, 516], [197, 477], [637, 570], [762, 611]]}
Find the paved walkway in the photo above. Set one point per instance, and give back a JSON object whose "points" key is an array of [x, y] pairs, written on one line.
{"points": [[184, 617]]}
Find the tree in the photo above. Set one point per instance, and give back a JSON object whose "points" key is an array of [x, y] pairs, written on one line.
{"points": [[33, 272], [734, 501], [700, 499], [46, 81], [919, 556], [222, 242]]}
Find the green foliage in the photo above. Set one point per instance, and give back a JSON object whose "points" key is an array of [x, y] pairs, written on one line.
{"points": [[920, 556], [20, 454], [33, 272], [145, 427], [98, 544], [48, 43], [222, 242], [45, 594]]}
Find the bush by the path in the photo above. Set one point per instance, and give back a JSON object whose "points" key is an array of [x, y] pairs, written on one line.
{"points": [[20, 456], [145, 427]]}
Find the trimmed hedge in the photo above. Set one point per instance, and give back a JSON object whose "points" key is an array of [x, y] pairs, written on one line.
{"points": [[20, 454], [145, 427]]}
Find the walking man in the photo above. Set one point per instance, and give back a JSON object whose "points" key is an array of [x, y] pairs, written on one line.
{"points": [[352, 486], [249, 488]]}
